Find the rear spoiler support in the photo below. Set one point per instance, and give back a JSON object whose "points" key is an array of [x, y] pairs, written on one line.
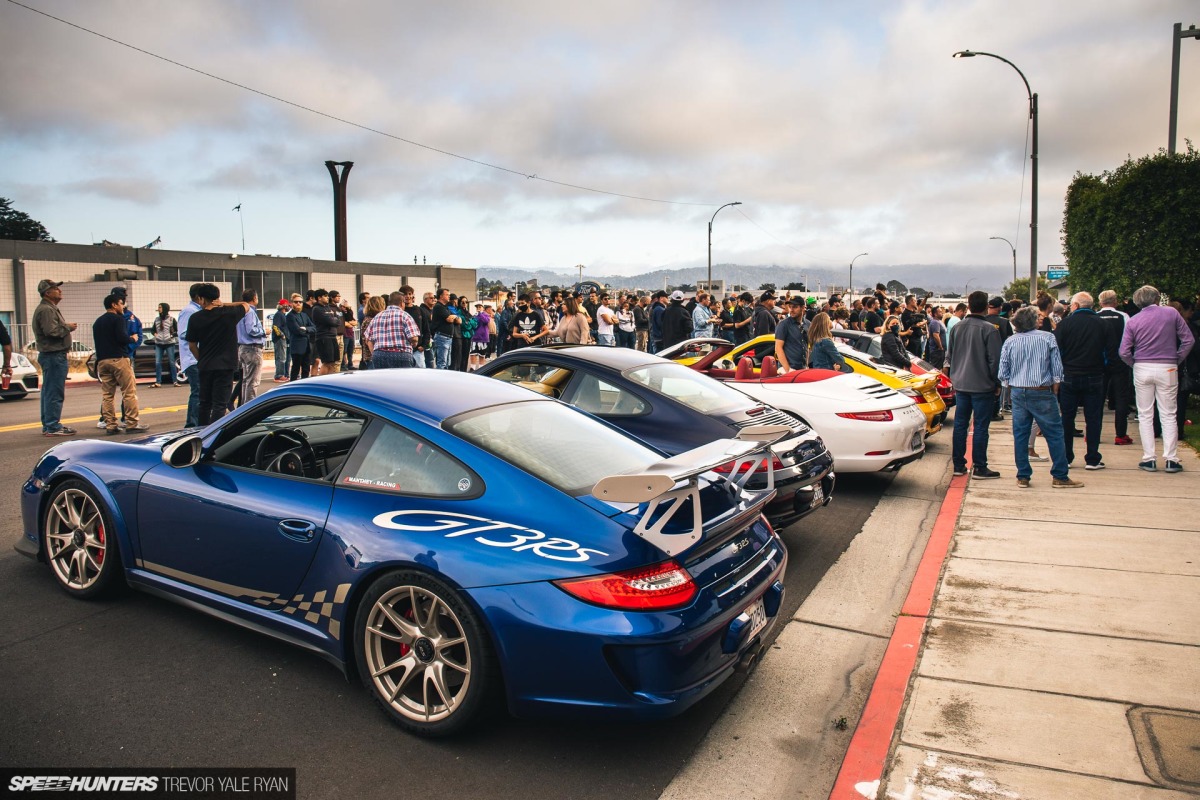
{"points": [[659, 486]]}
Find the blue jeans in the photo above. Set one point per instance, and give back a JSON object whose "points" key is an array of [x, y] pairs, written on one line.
{"points": [[981, 405], [1088, 391], [193, 412], [54, 388], [443, 348], [389, 359], [164, 351], [283, 356], [419, 359], [1037, 404], [626, 338], [605, 340]]}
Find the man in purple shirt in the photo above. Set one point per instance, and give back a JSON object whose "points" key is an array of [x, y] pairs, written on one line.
{"points": [[1155, 343]]}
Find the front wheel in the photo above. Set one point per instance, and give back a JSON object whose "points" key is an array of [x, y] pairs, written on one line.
{"points": [[79, 541], [423, 654]]}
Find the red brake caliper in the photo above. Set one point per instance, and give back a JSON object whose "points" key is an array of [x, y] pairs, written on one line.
{"points": [[404, 648], [100, 536]]}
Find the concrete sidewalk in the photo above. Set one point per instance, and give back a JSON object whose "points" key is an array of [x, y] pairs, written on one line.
{"points": [[1062, 655]]}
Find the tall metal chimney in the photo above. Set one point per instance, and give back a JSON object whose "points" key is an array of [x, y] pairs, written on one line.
{"points": [[339, 206]]}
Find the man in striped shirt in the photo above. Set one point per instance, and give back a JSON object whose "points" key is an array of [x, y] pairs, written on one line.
{"points": [[392, 334], [1032, 367]]}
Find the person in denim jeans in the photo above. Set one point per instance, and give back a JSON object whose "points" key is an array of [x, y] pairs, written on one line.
{"points": [[188, 361], [53, 336], [1087, 344], [973, 363], [444, 328], [1031, 366]]}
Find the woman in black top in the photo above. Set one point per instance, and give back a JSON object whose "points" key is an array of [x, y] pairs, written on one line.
{"points": [[894, 353]]}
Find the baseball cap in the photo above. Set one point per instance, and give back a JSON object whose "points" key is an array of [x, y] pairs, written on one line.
{"points": [[795, 301], [996, 302], [45, 285], [119, 291], [812, 301], [676, 295]]}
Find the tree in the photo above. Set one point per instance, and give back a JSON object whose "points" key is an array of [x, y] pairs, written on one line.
{"points": [[768, 287], [19, 225], [1020, 288], [1136, 225], [686, 287], [796, 285], [918, 291], [896, 288]]}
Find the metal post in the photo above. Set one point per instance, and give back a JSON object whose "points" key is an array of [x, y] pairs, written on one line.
{"points": [[339, 207], [710, 224], [1177, 36], [1033, 210], [850, 288]]}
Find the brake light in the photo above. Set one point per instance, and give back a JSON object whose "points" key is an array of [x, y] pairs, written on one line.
{"points": [[657, 588], [759, 466], [869, 416]]}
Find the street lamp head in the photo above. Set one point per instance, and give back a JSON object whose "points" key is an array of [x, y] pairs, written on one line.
{"points": [[963, 54]]}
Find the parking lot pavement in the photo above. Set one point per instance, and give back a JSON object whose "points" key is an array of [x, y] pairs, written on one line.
{"points": [[1061, 657]]}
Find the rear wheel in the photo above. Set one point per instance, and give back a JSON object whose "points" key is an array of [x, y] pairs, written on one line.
{"points": [[79, 543], [422, 653]]}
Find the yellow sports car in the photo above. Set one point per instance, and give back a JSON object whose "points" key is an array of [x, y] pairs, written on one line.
{"points": [[921, 388]]}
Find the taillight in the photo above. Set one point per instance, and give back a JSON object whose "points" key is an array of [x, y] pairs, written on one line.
{"points": [[657, 588], [869, 416], [759, 466]]}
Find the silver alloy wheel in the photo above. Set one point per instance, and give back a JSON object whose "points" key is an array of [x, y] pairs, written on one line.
{"points": [[417, 654], [76, 541]]}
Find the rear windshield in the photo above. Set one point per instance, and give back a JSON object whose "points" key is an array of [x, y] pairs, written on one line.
{"points": [[689, 387], [564, 447]]}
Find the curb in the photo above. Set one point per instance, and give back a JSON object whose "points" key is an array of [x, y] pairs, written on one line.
{"points": [[862, 767]]}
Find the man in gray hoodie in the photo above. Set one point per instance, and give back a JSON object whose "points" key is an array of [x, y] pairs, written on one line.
{"points": [[973, 364]]}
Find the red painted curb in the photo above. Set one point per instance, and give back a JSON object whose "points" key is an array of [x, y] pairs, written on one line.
{"points": [[864, 761]]}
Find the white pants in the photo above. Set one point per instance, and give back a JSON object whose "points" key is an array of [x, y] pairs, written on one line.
{"points": [[1157, 384]]}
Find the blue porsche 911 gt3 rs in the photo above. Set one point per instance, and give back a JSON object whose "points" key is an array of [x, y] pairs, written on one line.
{"points": [[443, 535]]}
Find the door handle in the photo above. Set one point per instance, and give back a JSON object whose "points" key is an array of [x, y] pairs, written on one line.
{"points": [[298, 529]]}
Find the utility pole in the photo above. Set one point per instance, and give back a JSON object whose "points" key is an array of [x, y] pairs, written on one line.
{"points": [[1178, 36]]}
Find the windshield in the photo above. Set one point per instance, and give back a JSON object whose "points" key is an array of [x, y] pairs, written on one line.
{"points": [[689, 387], [564, 447]]}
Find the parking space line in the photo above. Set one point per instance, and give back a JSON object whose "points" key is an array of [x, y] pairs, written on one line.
{"points": [[33, 425]]}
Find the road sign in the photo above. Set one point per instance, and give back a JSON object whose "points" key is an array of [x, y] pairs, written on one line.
{"points": [[1057, 273]]}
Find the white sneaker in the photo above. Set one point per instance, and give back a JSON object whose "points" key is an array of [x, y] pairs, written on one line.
{"points": [[101, 425], [1034, 456], [1099, 465]]}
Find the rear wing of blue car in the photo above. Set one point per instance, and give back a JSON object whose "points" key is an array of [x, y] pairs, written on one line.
{"points": [[666, 486]]}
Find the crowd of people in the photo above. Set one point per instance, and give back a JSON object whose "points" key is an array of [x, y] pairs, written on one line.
{"points": [[1044, 362]]}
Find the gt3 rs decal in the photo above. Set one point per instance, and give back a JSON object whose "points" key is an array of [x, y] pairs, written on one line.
{"points": [[516, 537]]}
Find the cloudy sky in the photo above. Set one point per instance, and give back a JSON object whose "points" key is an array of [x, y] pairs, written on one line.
{"points": [[841, 127]]}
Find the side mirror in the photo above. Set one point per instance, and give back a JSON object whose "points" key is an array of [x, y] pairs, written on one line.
{"points": [[183, 452]]}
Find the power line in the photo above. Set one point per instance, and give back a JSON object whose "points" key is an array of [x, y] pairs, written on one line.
{"points": [[369, 129]]}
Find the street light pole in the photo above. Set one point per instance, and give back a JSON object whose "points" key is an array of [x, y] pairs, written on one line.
{"points": [[710, 224], [850, 291], [967, 286], [1033, 204], [1014, 252], [1178, 36]]}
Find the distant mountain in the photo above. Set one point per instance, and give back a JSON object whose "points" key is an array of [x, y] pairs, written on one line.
{"points": [[933, 277]]}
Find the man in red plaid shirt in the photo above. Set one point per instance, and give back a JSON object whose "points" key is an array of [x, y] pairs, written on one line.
{"points": [[392, 334]]}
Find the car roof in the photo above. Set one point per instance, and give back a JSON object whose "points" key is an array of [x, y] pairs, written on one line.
{"points": [[433, 394], [615, 358]]}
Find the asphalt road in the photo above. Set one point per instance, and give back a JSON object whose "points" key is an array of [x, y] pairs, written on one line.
{"points": [[139, 681]]}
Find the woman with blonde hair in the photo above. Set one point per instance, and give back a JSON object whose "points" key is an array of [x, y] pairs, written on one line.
{"points": [[894, 353], [572, 326], [822, 353]]}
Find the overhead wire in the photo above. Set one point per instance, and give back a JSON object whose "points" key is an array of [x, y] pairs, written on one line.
{"points": [[351, 123]]}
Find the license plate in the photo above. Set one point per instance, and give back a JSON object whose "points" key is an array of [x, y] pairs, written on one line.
{"points": [[758, 618], [818, 496]]}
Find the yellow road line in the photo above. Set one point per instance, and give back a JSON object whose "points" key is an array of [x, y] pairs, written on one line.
{"points": [[92, 418]]}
